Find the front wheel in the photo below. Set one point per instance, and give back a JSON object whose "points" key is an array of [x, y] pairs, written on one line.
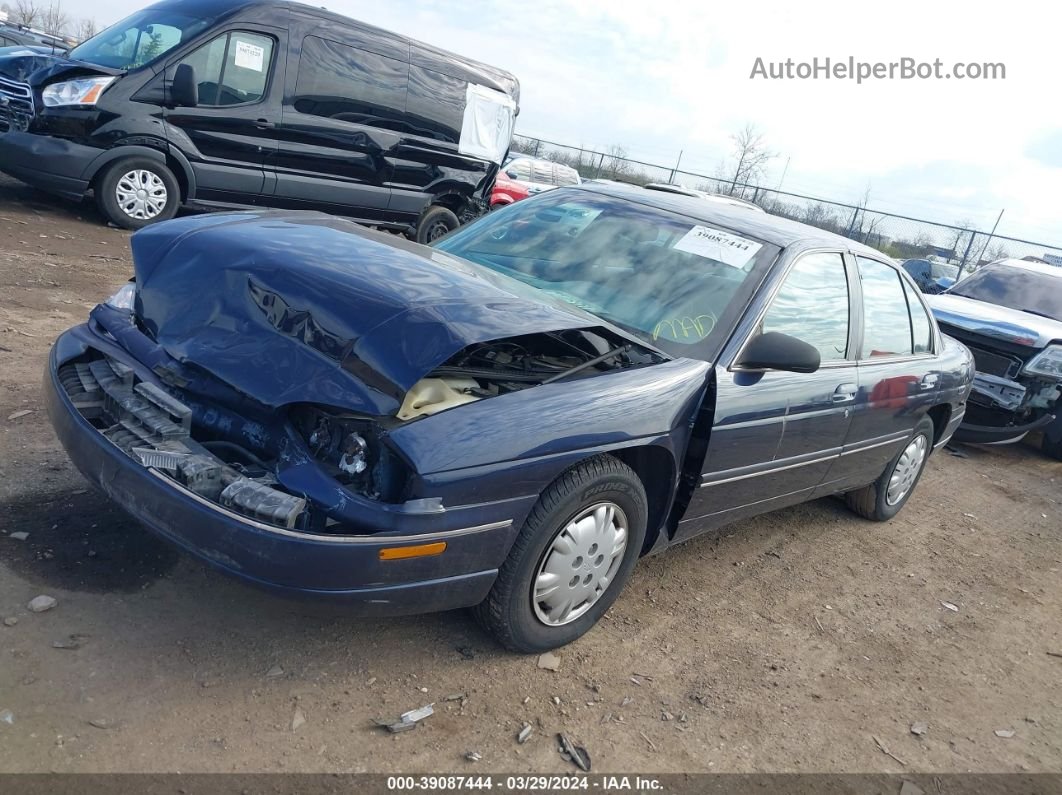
{"points": [[570, 560], [137, 191], [883, 499], [434, 223]]}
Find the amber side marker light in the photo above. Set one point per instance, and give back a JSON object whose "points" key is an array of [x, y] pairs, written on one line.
{"points": [[415, 551]]}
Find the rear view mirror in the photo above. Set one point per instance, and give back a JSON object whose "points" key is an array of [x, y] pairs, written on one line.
{"points": [[184, 90], [776, 351]]}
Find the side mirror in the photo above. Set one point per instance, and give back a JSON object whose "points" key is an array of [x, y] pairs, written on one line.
{"points": [[944, 283], [776, 351], [184, 90], [511, 175]]}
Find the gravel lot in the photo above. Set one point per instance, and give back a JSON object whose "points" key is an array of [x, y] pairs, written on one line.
{"points": [[805, 640]]}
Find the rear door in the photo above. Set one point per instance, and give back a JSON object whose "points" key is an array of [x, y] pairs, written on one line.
{"points": [[899, 373], [341, 120], [229, 135], [777, 434]]}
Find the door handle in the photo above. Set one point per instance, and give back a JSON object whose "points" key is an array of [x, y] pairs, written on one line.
{"points": [[264, 124], [929, 380], [844, 393]]}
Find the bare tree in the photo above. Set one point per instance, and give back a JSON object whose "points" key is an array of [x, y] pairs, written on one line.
{"points": [[54, 19], [997, 251], [26, 12], [85, 29], [750, 158]]}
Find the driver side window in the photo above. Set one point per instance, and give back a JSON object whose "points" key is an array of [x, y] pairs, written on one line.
{"points": [[812, 305], [233, 69]]}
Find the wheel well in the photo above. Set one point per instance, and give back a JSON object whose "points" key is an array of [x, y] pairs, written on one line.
{"points": [[940, 416], [655, 467], [458, 203], [171, 163]]}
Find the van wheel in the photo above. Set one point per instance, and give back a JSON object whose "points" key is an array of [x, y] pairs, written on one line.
{"points": [[883, 499], [434, 223], [137, 191], [571, 558]]}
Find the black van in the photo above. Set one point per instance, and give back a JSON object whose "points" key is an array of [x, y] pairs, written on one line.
{"points": [[258, 103]]}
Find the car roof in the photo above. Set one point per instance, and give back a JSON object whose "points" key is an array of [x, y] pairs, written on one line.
{"points": [[762, 226], [1024, 264]]}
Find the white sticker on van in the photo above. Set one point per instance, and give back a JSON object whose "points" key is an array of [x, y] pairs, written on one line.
{"points": [[250, 56], [718, 245], [487, 124]]}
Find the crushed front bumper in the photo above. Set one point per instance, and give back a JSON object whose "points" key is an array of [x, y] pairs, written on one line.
{"points": [[343, 568]]}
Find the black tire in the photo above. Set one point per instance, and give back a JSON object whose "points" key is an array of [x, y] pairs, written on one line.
{"points": [[508, 612], [107, 199], [871, 502], [434, 223], [1053, 447]]}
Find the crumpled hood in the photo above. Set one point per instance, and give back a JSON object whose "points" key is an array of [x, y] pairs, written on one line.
{"points": [[22, 62], [992, 320], [305, 307]]}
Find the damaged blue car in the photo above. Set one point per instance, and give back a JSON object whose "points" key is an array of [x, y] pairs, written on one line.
{"points": [[510, 419]]}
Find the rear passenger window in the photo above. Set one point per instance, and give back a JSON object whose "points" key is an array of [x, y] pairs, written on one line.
{"points": [[812, 305], [232, 69], [886, 318], [567, 176], [542, 172], [521, 168], [921, 331], [351, 85], [435, 104]]}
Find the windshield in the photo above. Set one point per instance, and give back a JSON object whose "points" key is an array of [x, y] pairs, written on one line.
{"points": [[1015, 288], [139, 39], [674, 281]]}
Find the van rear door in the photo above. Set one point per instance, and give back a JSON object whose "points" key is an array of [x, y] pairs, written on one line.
{"points": [[228, 136]]}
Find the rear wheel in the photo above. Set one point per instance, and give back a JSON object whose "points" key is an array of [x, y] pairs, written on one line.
{"points": [[570, 560], [1052, 446], [434, 223], [883, 499], [137, 191]]}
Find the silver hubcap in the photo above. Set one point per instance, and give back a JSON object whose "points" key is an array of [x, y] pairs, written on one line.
{"points": [[580, 564], [907, 469], [141, 194]]}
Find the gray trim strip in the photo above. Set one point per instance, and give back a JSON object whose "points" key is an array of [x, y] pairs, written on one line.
{"points": [[377, 540], [877, 441], [772, 470]]}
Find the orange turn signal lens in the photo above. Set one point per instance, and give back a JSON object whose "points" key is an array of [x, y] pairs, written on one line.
{"points": [[415, 551]]}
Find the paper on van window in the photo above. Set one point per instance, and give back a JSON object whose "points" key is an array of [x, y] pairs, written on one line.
{"points": [[487, 126], [716, 244], [250, 56]]}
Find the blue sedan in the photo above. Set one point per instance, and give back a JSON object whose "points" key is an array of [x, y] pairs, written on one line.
{"points": [[508, 420]]}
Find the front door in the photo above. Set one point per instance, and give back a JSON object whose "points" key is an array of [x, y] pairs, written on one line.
{"points": [[228, 136], [777, 434]]}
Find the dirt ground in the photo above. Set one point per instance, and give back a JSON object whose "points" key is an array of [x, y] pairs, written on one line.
{"points": [[805, 640]]}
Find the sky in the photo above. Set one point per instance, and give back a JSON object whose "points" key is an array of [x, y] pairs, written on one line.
{"points": [[657, 78]]}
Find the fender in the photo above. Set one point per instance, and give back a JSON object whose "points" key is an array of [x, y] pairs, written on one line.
{"points": [[153, 148]]}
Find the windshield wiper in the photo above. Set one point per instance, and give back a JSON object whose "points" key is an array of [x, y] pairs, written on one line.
{"points": [[588, 363]]}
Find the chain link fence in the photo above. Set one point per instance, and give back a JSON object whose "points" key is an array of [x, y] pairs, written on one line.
{"points": [[899, 236]]}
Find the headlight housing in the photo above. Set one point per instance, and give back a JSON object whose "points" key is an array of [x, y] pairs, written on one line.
{"points": [[351, 451], [124, 298], [1047, 363], [82, 91]]}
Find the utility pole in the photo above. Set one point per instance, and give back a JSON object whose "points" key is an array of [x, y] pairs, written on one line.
{"points": [[991, 235], [671, 179]]}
